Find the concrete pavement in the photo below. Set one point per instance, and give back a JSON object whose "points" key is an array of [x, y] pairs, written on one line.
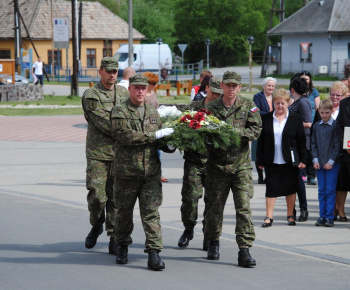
{"points": [[44, 222]]}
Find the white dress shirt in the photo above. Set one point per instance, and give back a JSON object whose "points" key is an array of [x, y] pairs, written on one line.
{"points": [[278, 128]]}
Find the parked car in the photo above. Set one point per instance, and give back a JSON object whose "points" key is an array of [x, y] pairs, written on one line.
{"points": [[19, 80]]}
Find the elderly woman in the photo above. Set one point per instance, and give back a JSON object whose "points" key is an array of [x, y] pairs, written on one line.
{"points": [[263, 101], [339, 91], [282, 152]]}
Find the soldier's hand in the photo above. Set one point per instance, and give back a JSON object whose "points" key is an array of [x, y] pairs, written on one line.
{"points": [[164, 132]]}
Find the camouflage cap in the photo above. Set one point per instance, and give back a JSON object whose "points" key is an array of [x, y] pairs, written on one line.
{"points": [[138, 79], [214, 83], [231, 77], [109, 63]]}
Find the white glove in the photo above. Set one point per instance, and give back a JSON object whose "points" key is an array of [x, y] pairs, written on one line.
{"points": [[164, 132]]}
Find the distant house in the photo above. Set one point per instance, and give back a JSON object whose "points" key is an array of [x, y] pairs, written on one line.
{"points": [[102, 31], [316, 38]]}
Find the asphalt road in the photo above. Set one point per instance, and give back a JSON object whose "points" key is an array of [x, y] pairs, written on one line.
{"points": [[44, 222]]}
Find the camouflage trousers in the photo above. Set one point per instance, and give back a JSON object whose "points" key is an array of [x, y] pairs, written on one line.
{"points": [[99, 183], [217, 191], [149, 193], [192, 191]]}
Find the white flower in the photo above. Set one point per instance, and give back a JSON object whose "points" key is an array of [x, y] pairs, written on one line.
{"points": [[165, 111]]}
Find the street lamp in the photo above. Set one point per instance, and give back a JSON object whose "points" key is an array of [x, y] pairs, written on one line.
{"points": [[250, 39], [207, 42], [159, 42]]}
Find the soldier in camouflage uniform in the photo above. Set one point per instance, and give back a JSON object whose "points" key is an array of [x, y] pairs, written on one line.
{"points": [[231, 169], [98, 103], [194, 173], [136, 127]]}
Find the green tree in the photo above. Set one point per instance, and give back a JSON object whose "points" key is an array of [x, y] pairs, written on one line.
{"points": [[227, 23]]}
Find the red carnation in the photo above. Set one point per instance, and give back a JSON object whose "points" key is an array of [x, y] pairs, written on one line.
{"points": [[199, 117], [194, 124], [186, 118], [203, 111]]}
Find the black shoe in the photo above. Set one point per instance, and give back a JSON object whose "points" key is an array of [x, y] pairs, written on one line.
{"points": [[205, 244], [185, 238], [320, 222], [122, 254], [112, 246], [265, 225], [329, 223], [91, 238], [154, 261], [261, 181], [304, 214], [244, 258], [213, 250], [291, 223]]}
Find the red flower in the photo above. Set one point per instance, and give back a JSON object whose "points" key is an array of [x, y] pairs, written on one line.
{"points": [[199, 117], [186, 118], [194, 124], [205, 111]]}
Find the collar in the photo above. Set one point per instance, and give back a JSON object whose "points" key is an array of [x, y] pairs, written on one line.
{"points": [[330, 122], [274, 115]]}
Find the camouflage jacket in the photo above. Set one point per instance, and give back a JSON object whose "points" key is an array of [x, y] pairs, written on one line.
{"points": [[97, 106], [244, 116], [135, 148], [191, 156]]}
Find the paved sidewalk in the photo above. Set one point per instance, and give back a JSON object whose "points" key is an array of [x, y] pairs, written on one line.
{"points": [[45, 220]]}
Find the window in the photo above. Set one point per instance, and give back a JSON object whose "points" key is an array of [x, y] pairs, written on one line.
{"points": [[305, 52], [5, 54], [91, 57], [58, 62], [107, 48]]}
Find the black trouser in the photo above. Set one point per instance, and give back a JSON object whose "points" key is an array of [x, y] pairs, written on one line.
{"points": [[310, 170]]}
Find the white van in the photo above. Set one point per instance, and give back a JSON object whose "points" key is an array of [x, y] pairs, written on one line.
{"points": [[146, 57]]}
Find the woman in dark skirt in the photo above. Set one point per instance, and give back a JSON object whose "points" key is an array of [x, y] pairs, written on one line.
{"points": [[282, 151]]}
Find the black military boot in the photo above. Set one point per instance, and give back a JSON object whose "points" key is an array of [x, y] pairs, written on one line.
{"points": [[304, 214], [154, 261], [112, 246], [122, 254], [91, 238], [185, 238], [244, 258], [205, 244], [213, 250]]}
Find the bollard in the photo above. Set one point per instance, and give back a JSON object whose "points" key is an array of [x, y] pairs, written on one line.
{"points": [[91, 84]]}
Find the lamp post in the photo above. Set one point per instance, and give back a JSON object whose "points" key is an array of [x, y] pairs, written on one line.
{"points": [[207, 42], [159, 42], [250, 39]]}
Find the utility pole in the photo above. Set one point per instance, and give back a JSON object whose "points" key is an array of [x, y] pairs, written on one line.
{"points": [[131, 53], [74, 80], [18, 38]]}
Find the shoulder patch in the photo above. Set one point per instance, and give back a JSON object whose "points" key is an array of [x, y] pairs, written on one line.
{"points": [[255, 109]]}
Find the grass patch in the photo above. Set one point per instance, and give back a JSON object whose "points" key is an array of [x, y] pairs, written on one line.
{"points": [[41, 112]]}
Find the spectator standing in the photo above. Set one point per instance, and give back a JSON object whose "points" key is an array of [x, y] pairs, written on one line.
{"points": [[127, 73], [202, 93], [195, 89], [301, 105], [325, 149], [314, 98], [264, 102], [194, 174], [282, 130], [38, 71], [231, 170], [343, 186], [338, 91], [98, 103]]}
